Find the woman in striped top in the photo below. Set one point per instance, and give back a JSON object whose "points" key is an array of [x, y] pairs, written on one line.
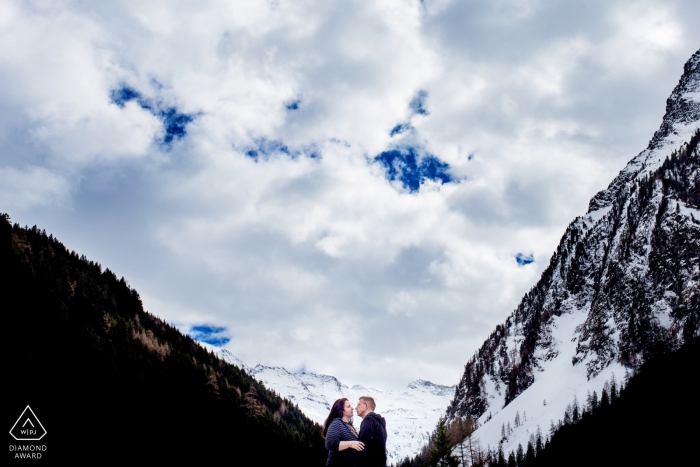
{"points": [[341, 437]]}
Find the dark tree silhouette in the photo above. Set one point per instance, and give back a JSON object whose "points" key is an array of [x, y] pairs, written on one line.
{"points": [[440, 455], [620, 433]]}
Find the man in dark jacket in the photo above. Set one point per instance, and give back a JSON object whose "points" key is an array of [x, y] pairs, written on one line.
{"points": [[372, 433]]}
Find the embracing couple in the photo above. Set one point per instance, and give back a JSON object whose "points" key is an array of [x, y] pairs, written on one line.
{"points": [[348, 448]]}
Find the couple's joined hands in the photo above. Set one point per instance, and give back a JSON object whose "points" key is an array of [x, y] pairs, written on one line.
{"points": [[357, 445]]}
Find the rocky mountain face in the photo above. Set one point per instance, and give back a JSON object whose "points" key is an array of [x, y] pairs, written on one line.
{"points": [[623, 286], [411, 413]]}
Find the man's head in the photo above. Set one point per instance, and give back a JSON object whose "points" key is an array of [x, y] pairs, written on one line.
{"points": [[365, 405]]}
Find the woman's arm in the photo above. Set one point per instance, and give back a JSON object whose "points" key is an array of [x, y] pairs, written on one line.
{"points": [[333, 435], [356, 445]]}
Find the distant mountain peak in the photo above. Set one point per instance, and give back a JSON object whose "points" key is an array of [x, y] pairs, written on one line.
{"points": [[678, 125], [682, 106], [232, 359], [436, 389], [411, 413]]}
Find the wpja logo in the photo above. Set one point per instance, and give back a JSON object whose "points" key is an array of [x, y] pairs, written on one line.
{"points": [[28, 428]]}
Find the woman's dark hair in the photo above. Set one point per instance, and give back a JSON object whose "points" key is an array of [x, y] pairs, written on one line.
{"points": [[336, 412]]}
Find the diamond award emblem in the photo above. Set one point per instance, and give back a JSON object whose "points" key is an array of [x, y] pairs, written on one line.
{"points": [[28, 427]]}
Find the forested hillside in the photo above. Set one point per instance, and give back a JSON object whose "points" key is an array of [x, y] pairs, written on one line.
{"points": [[652, 422], [110, 381]]}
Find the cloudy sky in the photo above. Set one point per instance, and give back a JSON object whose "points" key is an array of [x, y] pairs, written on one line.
{"points": [[357, 188]]}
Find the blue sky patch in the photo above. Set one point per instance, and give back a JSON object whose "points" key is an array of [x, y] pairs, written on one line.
{"points": [[412, 169], [293, 105], [212, 335], [524, 260], [400, 128], [123, 95], [265, 147], [174, 122], [418, 103]]}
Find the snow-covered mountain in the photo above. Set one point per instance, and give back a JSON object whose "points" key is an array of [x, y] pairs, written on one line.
{"points": [[623, 285], [411, 413]]}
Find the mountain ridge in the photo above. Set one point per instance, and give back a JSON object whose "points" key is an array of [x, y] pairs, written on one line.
{"points": [[623, 285]]}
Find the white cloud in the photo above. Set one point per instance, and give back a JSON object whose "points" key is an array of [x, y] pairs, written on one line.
{"points": [[644, 33], [30, 187]]}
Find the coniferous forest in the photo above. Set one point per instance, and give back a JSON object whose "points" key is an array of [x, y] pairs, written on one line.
{"points": [[110, 381], [653, 421]]}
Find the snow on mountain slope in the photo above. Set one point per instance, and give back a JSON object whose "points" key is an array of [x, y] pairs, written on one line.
{"points": [[411, 413], [230, 358], [545, 401], [623, 285]]}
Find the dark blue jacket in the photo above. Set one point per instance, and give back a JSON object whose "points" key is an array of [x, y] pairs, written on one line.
{"points": [[373, 434]]}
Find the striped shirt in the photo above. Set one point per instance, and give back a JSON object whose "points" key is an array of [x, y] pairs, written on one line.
{"points": [[339, 431]]}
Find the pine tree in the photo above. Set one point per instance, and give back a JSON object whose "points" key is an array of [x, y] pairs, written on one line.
{"points": [[594, 402], [613, 388], [503, 432], [517, 419], [538, 441], [604, 401], [511, 460], [530, 454], [589, 404], [501, 458], [441, 453], [519, 454], [575, 414]]}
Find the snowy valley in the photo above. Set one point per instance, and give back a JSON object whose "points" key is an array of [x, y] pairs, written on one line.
{"points": [[411, 413], [622, 287]]}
